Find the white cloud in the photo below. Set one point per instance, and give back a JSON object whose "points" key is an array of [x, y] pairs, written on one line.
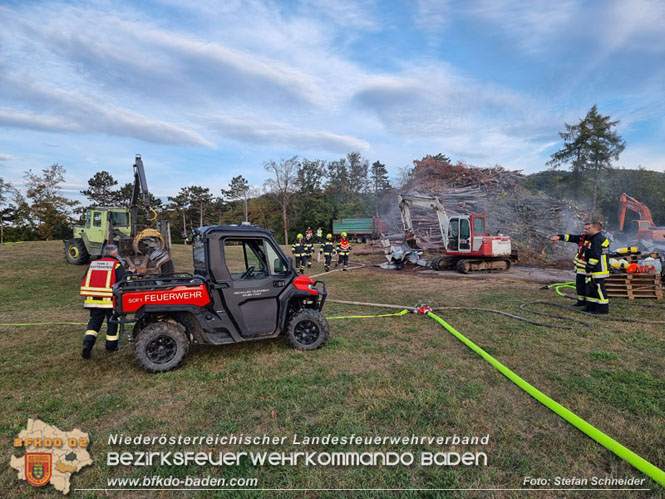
{"points": [[285, 136], [7, 157], [532, 24], [77, 111], [432, 15]]}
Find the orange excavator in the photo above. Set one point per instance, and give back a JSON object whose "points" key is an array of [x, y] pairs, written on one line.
{"points": [[646, 229]]}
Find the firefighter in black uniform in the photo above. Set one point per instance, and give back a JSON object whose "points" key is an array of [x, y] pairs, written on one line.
{"points": [[327, 249], [343, 250], [309, 249], [96, 287], [298, 250], [591, 267]]}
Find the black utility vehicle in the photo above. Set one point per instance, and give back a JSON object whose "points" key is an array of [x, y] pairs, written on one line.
{"points": [[243, 288]]}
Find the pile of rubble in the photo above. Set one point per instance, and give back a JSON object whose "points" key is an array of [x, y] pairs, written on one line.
{"points": [[529, 217]]}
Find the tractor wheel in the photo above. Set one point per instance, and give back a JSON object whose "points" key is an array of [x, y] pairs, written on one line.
{"points": [[160, 347], [307, 330], [167, 267], [75, 252]]}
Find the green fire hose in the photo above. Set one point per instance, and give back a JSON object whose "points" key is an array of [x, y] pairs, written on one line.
{"points": [[606, 441]]}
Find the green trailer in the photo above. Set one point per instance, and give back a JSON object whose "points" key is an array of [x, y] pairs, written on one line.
{"points": [[360, 229]]}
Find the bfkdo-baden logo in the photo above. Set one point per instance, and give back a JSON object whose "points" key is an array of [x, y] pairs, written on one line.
{"points": [[38, 468], [51, 455]]}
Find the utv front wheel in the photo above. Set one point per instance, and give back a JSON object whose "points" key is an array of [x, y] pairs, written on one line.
{"points": [[75, 252], [307, 330], [160, 347]]}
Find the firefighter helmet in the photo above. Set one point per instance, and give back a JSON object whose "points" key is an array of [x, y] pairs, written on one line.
{"points": [[343, 234], [329, 236], [299, 236]]}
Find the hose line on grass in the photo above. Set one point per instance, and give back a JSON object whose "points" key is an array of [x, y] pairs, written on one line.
{"points": [[396, 314], [606, 441], [43, 324], [596, 316], [490, 310]]}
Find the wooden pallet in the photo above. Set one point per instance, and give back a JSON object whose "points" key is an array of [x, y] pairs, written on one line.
{"points": [[634, 286]]}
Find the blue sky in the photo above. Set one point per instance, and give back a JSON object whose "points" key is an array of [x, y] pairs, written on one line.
{"points": [[212, 90]]}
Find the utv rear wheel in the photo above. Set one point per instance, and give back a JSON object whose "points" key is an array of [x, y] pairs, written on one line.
{"points": [[160, 347], [75, 252], [307, 330]]}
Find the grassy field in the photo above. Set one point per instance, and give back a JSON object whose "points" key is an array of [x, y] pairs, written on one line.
{"points": [[397, 376]]}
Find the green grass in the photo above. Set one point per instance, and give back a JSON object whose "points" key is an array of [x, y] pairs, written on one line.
{"points": [[391, 376]]}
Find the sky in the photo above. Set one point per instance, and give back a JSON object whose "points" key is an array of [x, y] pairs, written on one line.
{"points": [[211, 90]]}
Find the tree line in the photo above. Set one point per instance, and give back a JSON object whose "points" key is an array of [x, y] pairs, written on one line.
{"points": [[300, 193]]}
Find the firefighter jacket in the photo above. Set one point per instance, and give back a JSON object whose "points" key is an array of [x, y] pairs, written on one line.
{"points": [[98, 281], [298, 248], [596, 256], [343, 247], [309, 246], [327, 247], [579, 262]]}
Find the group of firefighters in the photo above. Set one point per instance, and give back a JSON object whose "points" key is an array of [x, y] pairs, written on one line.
{"points": [[303, 250]]}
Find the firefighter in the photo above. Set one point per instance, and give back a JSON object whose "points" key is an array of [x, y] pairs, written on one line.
{"points": [[591, 267], [327, 249], [319, 235], [96, 287], [343, 249], [298, 250], [309, 249]]}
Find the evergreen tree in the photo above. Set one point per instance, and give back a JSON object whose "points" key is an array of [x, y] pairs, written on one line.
{"points": [[589, 148], [179, 204], [202, 198], [100, 189], [238, 189], [380, 183]]}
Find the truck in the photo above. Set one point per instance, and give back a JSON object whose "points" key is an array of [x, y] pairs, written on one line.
{"points": [[144, 246], [360, 229], [466, 245], [244, 288]]}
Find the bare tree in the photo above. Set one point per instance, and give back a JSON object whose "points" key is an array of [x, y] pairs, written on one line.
{"points": [[283, 185]]}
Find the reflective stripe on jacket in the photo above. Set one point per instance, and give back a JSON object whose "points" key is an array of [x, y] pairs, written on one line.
{"points": [[343, 246], [596, 256], [298, 248], [100, 278]]}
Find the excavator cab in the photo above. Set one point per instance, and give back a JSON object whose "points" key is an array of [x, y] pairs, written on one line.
{"points": [[464, 231]]}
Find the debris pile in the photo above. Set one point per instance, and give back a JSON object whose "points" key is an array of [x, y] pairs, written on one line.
{"points": [[529, 217]]}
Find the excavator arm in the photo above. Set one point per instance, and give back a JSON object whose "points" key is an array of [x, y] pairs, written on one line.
{"points": [[428, 202], [627, 202]]}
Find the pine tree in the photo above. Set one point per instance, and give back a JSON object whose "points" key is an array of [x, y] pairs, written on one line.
{"points": [[100, 189], [238, 189], [589, 148]]}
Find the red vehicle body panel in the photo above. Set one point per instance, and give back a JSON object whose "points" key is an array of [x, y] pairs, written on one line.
{"points": [[179, 295]]}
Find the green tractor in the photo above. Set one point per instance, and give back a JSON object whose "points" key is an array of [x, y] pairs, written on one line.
{"points": [[146, 248]]}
